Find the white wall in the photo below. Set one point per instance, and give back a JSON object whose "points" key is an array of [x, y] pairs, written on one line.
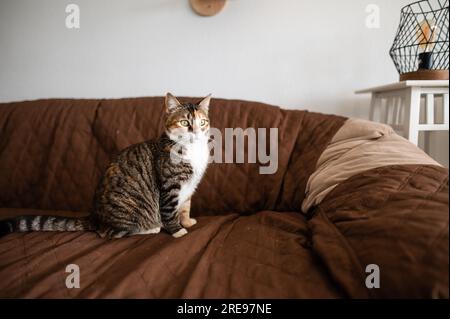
{"points": [[294, 53]]}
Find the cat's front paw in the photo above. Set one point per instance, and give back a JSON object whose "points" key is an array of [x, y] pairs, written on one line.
{"points": [[188, 222], [180, 233]]}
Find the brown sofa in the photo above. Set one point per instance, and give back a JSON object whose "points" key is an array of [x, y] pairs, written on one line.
{"points": [[252, 239]]}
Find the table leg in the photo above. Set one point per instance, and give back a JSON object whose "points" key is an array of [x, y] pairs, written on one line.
{"points": [[412, 110], [373, 102]]}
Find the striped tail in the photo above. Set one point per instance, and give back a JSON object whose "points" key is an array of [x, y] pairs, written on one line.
{"points": [[44, 223]]}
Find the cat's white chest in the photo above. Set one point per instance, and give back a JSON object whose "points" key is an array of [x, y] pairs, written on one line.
{"points": [[197, 155]]}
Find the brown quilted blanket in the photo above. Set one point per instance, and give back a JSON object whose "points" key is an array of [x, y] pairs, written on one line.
{"points": [[252, 240]]}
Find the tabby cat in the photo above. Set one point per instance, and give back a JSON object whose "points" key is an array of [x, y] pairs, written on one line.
{"points": [[148, 186]]}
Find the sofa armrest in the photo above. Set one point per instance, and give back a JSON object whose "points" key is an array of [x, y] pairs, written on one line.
{"points": [[395, 217], [359, 146]]}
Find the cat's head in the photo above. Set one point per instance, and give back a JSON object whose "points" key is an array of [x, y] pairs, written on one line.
{"points": [[187, 122]]}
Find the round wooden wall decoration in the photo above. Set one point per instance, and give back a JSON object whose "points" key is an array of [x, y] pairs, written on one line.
{"points": [[207, 8]]}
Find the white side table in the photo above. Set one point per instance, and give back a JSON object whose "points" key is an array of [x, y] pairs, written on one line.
{"points": [[399, 104]]}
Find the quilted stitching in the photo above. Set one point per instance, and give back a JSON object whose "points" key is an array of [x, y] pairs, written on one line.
{"points": [[54, 152], [392, 216]]}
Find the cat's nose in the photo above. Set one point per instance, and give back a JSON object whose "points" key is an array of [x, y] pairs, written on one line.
{"points": [[196, 129]]}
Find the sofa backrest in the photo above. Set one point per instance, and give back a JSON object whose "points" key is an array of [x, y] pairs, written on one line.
{"points": [[53, 152]]}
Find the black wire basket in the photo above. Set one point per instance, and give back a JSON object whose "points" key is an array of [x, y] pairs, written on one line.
{"points": [[420, 48]]}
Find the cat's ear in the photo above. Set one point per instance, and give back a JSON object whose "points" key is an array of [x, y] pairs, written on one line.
{"points": [[204, 104], [172, 103]]}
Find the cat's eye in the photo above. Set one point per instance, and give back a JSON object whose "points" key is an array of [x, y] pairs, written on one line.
{"points": [[184, 123], [203, 122]]}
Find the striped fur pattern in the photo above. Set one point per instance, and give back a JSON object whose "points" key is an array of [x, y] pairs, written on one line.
{"points": [[144, 189], [44, 223]]}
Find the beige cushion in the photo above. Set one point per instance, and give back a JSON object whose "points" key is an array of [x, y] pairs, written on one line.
{"points": [[357, 147]]}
